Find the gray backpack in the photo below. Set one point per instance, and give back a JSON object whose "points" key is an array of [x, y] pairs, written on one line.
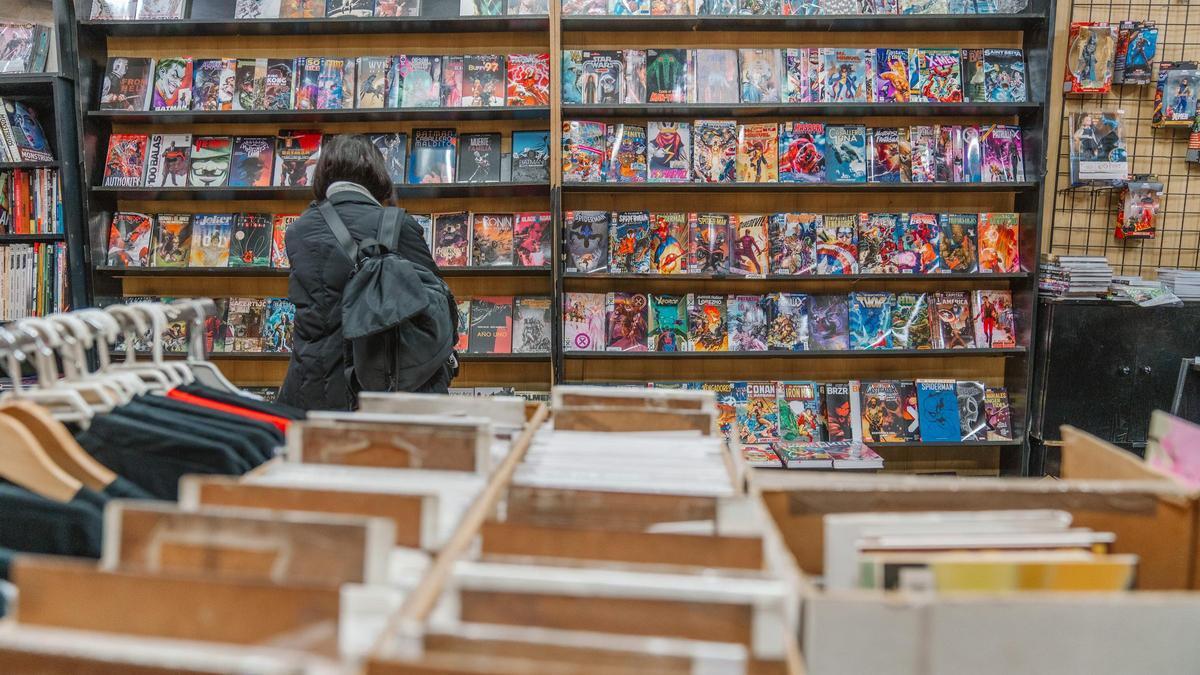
{"points": [[395, 313]]}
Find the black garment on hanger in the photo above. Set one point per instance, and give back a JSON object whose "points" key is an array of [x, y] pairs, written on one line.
{"points": [[274, 408], [212, 414], [232, 437], [123, 489], [31, 523]]}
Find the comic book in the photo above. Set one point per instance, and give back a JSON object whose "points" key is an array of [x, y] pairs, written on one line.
{"points": [[837, 244], [335, 84], [669, 152], [126, 84], [871, 320], [531, 239], [483, 80], [1137, 42], [627, 316], [464, 325], [129, 240], [997, 414], [479, 158], [972, 424], [923, 237], [958, 247], [491, 325], [172, 239], [804, 70], [278, 324], [212, 84], [922, 150], [531, 325], [939, 76], [633, 76], [880, 239], [947, 154], [420, 77], [210, 239], [295, 157], [846, 76], [210, 160], [672, 7], [887, 160], [972, 155], [600, 79], [717, 7], [277, 85], [950, 320], [708, 247], [158, 10], [750, 252], [301, 9], [726, 413], [999, 235], [572, 76], [842, 415], [626, 153], [528, 78], [758, 153], [829, 322], [760, 7], [668, 243], [760, 75], [249, 84], [1097, 148], [793, 242], [937, 405], [279, 227], [909, 414], [1003, 154], [425, 222], [1004, 76], [308, 82], [584, 7], [629, 243], [246, 325], [125, 165], [218, 337], [583, 152], [668, 323], [394, 148], [669, 75], [895, 75], [168, 160], [717, 76], [250, 241], [433, 152], [749, 323], [845, 153], [800, 412], [583, 322], [974, 73], [788, 316], [372, 82], [1090, 50], [172, 84], [587, 241], [882, 417], [481, 8], [995, 323], [452, 239], [878, 7], [762, 413], [629, 7], [715, 154], [925, 6], [910, 321], [336, 9], [452, 81], [708, 328], [492, 239], [530, 157], [252, 160]]}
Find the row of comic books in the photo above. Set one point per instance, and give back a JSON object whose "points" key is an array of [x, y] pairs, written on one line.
{"points": [[793, 75], [326, 83], [463, 238], [24, 47], [723, 151], [201, 240], [788, 322], [643, 242], [21, 136], [246, 10], [239, 325], [33, 280], [786, 7], [30, 201], [532, 395], [504, 325], [290, 158]]}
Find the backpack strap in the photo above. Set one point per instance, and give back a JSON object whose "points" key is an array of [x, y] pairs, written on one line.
{"points": [[334, 221], [389, 227]]}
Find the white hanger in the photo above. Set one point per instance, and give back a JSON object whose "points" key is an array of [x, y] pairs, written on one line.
{"points": [[67, 405], [160, 320], [206, 372], [133, 325], [77, 339], [99, 396], [105, 332]]}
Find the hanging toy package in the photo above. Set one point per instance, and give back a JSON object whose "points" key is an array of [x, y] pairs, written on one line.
{"points": [[1138, 212]]}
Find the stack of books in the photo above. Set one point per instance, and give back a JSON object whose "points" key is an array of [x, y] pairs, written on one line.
{"points": [[1184, 283], [1074, 276]]}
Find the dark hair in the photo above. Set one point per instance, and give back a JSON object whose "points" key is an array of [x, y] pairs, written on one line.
{"points": [[352, 158]]}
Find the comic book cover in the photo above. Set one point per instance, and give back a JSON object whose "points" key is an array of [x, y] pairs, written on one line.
{"points": [[629, 243], [761, 75], [788, 316], [1098, 147], [717, 76], [950, 320], [760, 7], [452, 239], [210, 239], [629, 7], [168, 160], [758, 153], [845, 153], [479, 158], [295, 157], [923, 238], [839, 412], [909, 414], [669, 75], [672, 7], [751, 255], [600, 79], [880, 239], [372, 82], [1090, 50], [250, 242], [394, 148], [882, 416], [584, 7], [301, 9], [278, 325], [308, 82], [762, 413], [937, 405], [947, 154], [958, 247], [126, 84], [799, 412], [837, 244], [252, 161], [172, 239], [972, 424], [249, 85], [995, 324], [708, 329], [125, 165], [717, 7], [895, 75], [425, 222], [759, 455], [114, 10], [715, 154], [587, 241], [433, 152], [878, 7], [726, 412], [172, 84], [668, 323], [997, 414], [668, 243], [213, 84], [572, 76], [749, 323], [452, 81], [277, 85], [922, 150], [481, 8], [583, 152], [1003, 154], [939, 75], [491, 325], [531, 239], [583, 322], [483, 81], [399, 8], [336, 84], [670, 152], [925, 6], [972, 155], [793, 242], [999, 249], [530, 157], [246, 324], [158, 10], [845, 77], [887, 160], [397, 68], [528, 78], [910, 321], [973, 75], [871, 320], [708, 247], [420, 78], [336, 9], [1004, 75], [627, 318], [129, 240], [633, 76], [626, 153], [492, 240], [211, 156], [531, 325], [829, 322], [804, 68], [279, 227], [1136, 46]]}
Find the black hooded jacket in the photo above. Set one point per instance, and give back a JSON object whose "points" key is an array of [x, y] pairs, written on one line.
{"points": [[315, 378]]}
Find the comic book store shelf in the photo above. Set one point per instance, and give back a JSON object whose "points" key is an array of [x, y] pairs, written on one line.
{"points": [[28, 85], [29, 238], [109, 270], [736, 279], [285, 117], [341, 26], [28, 165], [797, 110], [809, 354], [301, 193], [817, 23], [635, 188]]}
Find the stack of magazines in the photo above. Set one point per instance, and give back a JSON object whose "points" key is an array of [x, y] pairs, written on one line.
{"points": [[1184, 283], [1074, 275]]}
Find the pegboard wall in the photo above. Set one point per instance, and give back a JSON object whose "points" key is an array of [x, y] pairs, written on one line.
{"points": [[1083, 221]]}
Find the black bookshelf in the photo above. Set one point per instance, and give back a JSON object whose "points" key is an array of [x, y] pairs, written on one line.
{"points": [[31, 238], [29, 165], [283, 118]]}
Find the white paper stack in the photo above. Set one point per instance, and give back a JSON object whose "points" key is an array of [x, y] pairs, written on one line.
{"points": [[1184, 283], [1074, 275]]}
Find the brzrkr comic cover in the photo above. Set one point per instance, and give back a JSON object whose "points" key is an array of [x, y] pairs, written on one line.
{"points": [[587, 241]]}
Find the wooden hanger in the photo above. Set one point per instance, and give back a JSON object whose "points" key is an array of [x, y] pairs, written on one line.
{"points": [[59, 445], [24, 462]]}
